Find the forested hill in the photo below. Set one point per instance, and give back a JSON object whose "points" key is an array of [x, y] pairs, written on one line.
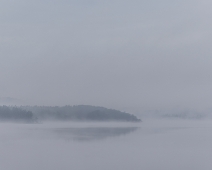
{"points": [[79, 113], [16, 114]]}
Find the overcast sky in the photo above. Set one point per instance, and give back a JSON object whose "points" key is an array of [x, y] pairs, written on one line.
{"points": [[114, 53]]}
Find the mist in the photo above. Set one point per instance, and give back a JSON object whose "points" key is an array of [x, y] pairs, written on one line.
{"points": [[115, 54], [138, 60]]}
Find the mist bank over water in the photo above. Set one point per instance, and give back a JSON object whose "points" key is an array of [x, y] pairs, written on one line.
{"points": [[175, 113], [65, 113]]}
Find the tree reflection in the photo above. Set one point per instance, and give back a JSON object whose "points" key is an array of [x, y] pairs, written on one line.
{"points": [[92, 133]]}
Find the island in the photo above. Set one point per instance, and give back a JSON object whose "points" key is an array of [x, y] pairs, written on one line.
{"points": [[64, 113]]}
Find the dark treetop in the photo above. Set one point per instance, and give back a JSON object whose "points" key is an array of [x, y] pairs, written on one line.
{"points": [[79, 113]]}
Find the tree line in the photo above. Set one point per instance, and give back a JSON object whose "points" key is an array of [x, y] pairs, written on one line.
{"points": [[65, 113]]}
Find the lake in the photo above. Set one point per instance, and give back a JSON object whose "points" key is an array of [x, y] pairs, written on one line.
{"points": [[149, 145]]}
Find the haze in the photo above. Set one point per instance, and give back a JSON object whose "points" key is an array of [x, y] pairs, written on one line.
{"points": [[118, 54]]}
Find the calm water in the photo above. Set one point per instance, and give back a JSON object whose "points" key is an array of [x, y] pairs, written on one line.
{"points": [[150, 145]]}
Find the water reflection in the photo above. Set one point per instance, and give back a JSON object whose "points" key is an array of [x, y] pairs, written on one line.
{"points": [[92, 133]]}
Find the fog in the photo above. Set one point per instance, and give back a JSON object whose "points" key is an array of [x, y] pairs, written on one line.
{"points": [[151, 59], [123, 55], [150, 145]]}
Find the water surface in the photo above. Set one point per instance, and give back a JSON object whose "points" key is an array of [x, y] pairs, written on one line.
{"points": [[150, 145]]}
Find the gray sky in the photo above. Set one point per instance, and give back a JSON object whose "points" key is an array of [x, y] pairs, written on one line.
{"points": [[114, 53]]}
